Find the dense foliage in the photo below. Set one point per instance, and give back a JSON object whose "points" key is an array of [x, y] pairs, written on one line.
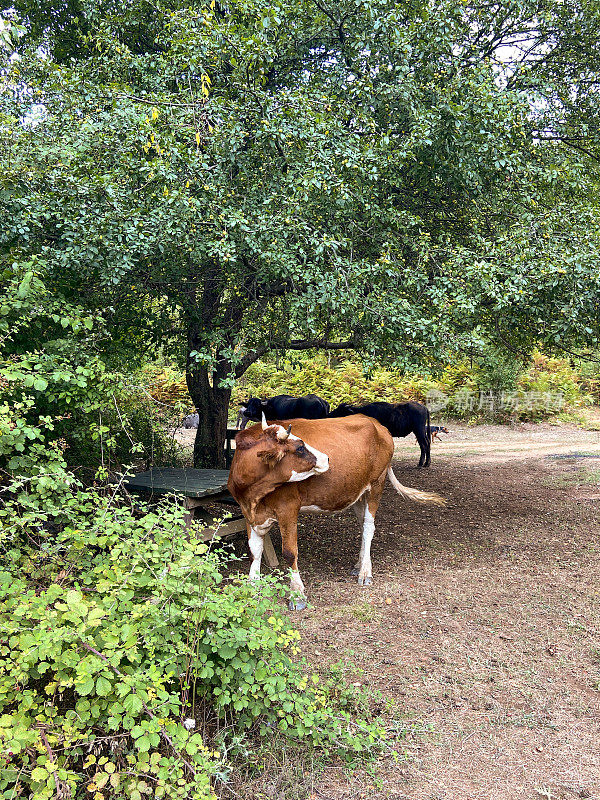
{"points": [[115, 628], [221, 180], [488, 385], [116, 622]]}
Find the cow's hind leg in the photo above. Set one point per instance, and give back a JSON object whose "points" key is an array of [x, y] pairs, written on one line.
{"points": [[425, 446], [359, 509], [288, 525], [370, 502], [365, 573]]}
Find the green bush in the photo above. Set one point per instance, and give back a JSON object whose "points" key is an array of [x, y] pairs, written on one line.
{"points": [[346, 381], [118, 626], [493, 385], [546, 377]]}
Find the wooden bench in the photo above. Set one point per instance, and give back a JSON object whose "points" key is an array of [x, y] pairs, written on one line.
{"points": [[198, 487]]}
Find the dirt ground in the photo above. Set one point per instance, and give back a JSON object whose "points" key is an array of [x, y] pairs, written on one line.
{"points": [[483, 623]]}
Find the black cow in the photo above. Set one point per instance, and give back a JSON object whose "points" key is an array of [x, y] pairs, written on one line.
{"points": [[400, 419], [283, 406]]}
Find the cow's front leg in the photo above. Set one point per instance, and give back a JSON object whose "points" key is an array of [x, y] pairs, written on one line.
{"points": [[256, 535], [288, 526]]}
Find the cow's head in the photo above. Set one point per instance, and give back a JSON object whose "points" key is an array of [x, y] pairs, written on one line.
{"points": [[279, 456], [294, 459], [253, 408], [343, 410]]}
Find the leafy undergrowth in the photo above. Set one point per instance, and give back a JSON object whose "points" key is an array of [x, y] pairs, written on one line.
{"points": [[129, 667], [494, 388]]}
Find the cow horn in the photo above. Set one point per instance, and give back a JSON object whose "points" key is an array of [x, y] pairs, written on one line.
{"points": [[264, 422], [283, 435]]}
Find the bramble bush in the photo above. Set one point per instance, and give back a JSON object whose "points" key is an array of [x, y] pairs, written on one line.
{"points": [[117, 627], [547, 374]]}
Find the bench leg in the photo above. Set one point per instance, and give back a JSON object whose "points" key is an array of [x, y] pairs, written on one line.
{"points": [[269, 553]]}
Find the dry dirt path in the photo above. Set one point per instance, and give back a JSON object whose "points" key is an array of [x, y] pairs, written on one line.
{"points": [[483, 624]]}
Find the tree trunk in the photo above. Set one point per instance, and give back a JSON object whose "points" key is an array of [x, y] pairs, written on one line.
{"points": [[212, 405]]}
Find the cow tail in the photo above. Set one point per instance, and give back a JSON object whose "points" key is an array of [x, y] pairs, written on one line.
{"points": [[428, 429], [415, 495]]}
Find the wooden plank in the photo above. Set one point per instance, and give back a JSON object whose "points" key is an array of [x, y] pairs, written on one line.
{"points": [[229, 445], [233, 526], [269, 553], [188, 482]]}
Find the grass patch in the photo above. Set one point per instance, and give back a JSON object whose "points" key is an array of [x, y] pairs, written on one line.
{"points": [[576, 478], [363, 611]]}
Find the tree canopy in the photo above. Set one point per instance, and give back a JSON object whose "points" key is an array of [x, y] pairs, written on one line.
{"points": [[223, 179]]}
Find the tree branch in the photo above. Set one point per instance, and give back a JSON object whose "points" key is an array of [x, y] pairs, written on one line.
{"points": [[294, 344]]}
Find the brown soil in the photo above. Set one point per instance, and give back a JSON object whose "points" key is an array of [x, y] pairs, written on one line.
{"points": [[483, 623]]}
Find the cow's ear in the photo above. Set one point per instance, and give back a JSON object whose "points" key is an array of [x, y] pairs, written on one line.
{"points": [[271, 457], [263, 403]]}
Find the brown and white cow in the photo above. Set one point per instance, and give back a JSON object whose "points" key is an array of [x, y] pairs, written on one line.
{"points": [[282, 469]]}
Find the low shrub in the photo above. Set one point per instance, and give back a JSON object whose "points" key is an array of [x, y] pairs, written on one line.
{"points": [[552, 384], [492, 385], [129, 665]]}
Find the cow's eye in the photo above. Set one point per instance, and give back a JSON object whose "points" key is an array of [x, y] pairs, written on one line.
{"points": [[301, 449]]}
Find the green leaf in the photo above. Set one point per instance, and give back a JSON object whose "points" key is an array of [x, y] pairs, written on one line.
{"points": [[103, 686], [132, 704], [86, 687], [143, 743], [39, 774]]}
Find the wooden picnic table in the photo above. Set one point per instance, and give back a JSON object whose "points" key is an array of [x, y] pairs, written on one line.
{"points": [[197, 487]]}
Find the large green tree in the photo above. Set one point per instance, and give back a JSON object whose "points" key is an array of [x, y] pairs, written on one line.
{"points": [[224, 179]]}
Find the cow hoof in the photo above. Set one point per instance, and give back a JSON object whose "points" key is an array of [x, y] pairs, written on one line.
{"points": [[354, 571], [366, 581], [296, 605]]}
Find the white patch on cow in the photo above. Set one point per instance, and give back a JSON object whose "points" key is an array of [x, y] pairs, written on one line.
{"points": [[365, 573], [322, 464], [312, 508], [296, 584], [300, 476], [256, 543], [361, 495], [359, 509]]}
